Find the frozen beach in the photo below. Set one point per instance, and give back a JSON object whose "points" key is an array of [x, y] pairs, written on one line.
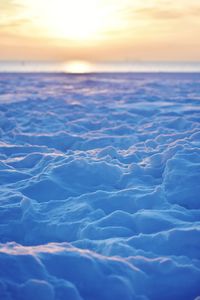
{"points": [[100, 186]]}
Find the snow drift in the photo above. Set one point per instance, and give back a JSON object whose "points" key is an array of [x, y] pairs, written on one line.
{"points": [[99, 178]]}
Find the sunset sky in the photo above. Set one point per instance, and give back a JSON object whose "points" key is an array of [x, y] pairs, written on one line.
{"points": [[100, 30]]}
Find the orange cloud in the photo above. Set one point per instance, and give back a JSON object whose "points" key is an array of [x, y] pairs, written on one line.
{"points": [[167, 13]]}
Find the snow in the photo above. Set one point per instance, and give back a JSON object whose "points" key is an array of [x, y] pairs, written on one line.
{"points": [[99, 178]]}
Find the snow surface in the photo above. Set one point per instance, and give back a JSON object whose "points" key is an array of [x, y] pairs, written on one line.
{"points": [[100, 194]]}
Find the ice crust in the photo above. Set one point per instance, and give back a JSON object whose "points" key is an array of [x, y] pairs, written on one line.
{"points": [[100, 187]]}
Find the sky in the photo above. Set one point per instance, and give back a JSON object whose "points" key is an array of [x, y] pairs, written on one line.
{"points": [[100, 30]]}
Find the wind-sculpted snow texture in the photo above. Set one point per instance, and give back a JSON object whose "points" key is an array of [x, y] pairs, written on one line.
{"points": [[100, 193]]}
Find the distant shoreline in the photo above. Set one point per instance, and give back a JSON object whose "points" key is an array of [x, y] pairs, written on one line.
{"points": [[83, 67]]}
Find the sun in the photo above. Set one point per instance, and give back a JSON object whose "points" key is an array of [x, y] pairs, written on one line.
{"points": [[78, 20], [77, 67]]}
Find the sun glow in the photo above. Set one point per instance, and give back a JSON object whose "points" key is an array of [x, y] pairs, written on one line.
{"points": [[76, 20], [77, 67]]}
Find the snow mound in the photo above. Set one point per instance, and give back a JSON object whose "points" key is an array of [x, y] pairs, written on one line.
{"points": [[99, 178]]}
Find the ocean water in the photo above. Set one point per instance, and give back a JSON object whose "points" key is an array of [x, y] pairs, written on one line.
{"points": [[99, 181], [92, 67]]}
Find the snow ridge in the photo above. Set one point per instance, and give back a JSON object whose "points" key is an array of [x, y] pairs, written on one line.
{"points": [[99, 178]]}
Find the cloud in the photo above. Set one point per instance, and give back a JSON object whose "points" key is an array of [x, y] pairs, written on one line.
{"points": [[9, 7], [167, 12], [12, 19], [160, 9], [158, 13]]}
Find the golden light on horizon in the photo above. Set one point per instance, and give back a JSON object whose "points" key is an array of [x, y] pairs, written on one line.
{"points": [[77, 67]]}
